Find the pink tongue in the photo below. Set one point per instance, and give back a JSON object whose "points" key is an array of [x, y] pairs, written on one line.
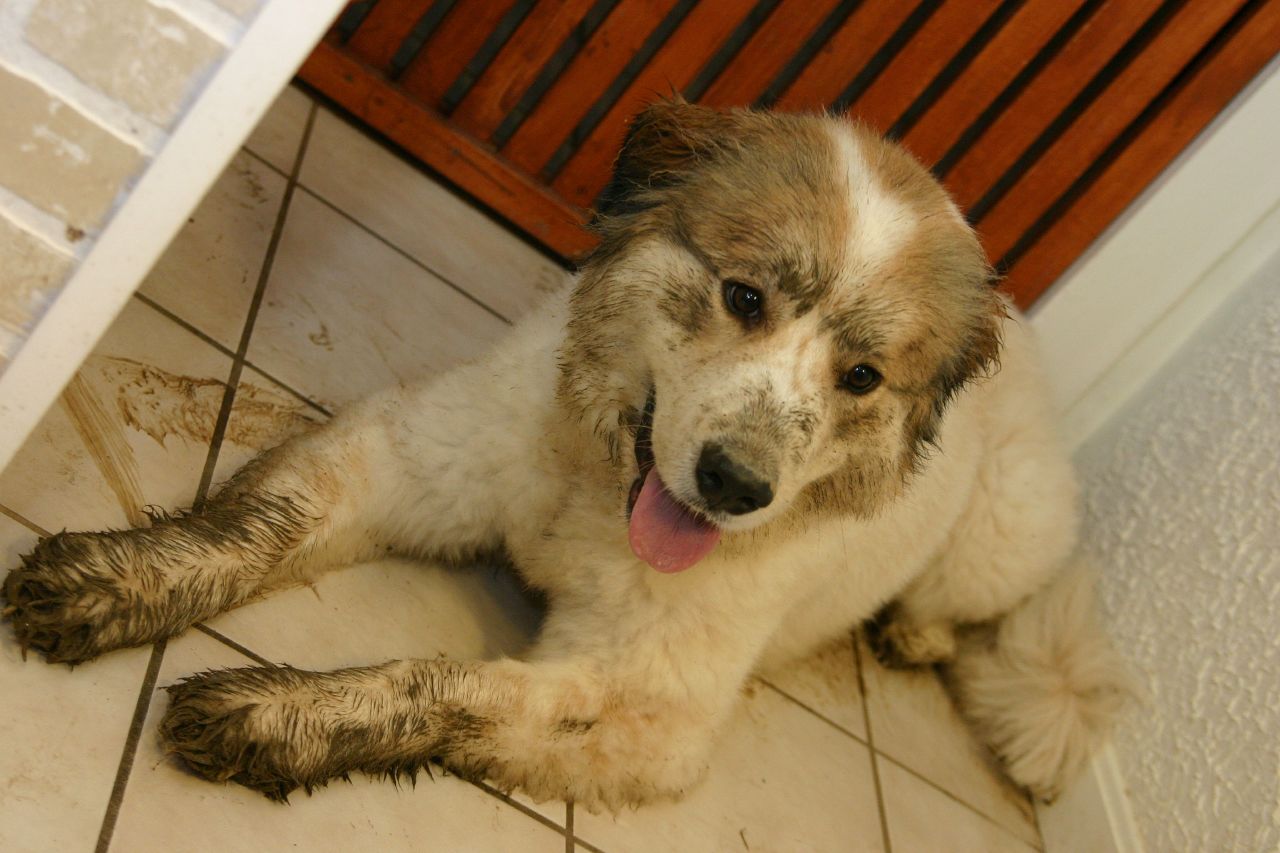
{"points": [[666, 535]]}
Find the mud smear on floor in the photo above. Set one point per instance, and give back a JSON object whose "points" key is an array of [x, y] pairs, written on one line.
{"points": [[105, 441], [162, 404]]}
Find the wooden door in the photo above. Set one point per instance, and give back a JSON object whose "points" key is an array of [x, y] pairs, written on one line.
{"points": [[1045, 118]]}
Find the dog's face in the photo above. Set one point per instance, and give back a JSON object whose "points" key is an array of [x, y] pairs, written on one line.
{"points": [[779, 310]]}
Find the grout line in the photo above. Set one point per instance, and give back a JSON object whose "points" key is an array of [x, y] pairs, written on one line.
{"points": [[880, 753], [585, 845], [230, 643], [494, 792], [215, 444], [160, 309], [951, 796], [130, 748], [263, 161], [211, 20], [264, 274], [25, 522], [113, 116], [785, 695], [303, 398], [568, 827], [875, 769], [404, 254]]}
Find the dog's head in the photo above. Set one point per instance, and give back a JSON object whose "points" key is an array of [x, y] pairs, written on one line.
{"points": [[779, 310]]}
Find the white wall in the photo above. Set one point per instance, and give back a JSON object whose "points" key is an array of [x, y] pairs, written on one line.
{"points": [[1163, 343], [1183, 509]]}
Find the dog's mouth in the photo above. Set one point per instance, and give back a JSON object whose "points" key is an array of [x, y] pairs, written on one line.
{"points": [[663, 532]]}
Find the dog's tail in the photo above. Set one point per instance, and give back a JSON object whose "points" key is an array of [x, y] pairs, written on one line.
{"points": [[1043, 686]]}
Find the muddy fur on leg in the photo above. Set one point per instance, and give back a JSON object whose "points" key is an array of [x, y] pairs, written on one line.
{"points": [[77, 595], [553, 732]]}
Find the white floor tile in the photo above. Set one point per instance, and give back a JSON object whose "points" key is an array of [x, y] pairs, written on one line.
{"points": [[387, 609], [827, 682], [780, 780], [344, 314], [922, 819], [422, 217], [208, 274], [277, 136], [167, 808], [62, 735], [147, 400], [914, 721]]}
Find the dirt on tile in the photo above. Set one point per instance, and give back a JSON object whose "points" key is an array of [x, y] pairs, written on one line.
{"points": [[163, 404], [105, 441]]}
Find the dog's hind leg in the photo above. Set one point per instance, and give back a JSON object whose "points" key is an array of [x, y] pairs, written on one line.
{"points": [[370, 481], [556, 729], [1018, 529]]}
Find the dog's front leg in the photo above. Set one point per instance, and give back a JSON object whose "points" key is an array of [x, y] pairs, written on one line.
{"points": [[288, 512], [553, 729]]}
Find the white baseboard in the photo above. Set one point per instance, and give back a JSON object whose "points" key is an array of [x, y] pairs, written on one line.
{"points": [[1093, 815]]}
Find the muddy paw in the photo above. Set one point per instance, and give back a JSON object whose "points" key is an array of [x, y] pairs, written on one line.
{"points": [[898, 644], [245, 726], [64, 601]]}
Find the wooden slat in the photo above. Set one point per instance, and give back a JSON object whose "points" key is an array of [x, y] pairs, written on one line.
{"points": [[924, 56], [451, 47], [746, 77], [384, 28], [1150, 72], [849, 48], [604, 55], [1187, 112], [1002, 59], [672, 67], [517, 64], [1038, 104], [472, 167]]}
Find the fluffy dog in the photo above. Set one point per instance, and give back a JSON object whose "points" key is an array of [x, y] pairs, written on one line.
{"points": [[768, 410]]}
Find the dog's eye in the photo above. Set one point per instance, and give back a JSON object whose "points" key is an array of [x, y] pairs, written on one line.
{"points": [[861, 379], [746, 302]]}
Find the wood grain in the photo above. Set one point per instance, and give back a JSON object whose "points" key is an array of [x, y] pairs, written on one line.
{"points": [[449, 49], [1187, 112], [1089, 135], [514, 68], [605, 54], [475, 169]]}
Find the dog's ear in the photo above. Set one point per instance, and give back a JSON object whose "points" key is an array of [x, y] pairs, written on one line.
{"points": [[662, 141], [976, 354]]}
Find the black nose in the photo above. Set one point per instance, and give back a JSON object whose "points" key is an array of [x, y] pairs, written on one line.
{"points": [[726, 485]]}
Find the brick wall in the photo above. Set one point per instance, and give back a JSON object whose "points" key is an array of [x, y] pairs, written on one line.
{"points": [[89, 92]]}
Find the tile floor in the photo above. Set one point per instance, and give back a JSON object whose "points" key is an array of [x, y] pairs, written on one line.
{"points": [[319, 267]]}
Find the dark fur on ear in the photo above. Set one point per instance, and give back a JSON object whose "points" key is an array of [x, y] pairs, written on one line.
{"points": [[662, 140], [976, 354]]}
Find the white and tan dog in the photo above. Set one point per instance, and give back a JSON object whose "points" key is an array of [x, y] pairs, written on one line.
{"points": [[768, 410]]}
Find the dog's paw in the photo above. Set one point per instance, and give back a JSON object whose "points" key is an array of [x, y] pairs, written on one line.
{"points": [[66, 602], [252, 726], [898, 644]]}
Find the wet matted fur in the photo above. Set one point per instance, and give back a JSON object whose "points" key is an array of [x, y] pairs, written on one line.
{"points": [[930, 491]]}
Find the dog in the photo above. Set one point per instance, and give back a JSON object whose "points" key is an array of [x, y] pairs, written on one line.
{"points": [[781, 398]]}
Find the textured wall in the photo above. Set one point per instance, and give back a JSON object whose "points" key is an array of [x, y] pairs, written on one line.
{"points": [[89, 92], [1183, 511]]}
